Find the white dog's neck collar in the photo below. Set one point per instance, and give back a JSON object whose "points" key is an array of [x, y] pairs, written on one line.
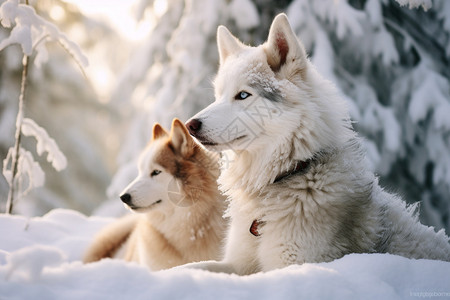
{"points": [[299, 167]]}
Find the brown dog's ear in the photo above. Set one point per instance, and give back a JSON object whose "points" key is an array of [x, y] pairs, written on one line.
{"points": [[158, 131], [180, 137], [283, 47], [227, 43]]}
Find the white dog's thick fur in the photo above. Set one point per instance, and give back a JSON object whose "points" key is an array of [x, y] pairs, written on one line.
{"points": [[297, 177], [178, 204]]}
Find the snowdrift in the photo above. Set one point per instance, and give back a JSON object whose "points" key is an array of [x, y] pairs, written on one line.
{"points": [[40, 259]]}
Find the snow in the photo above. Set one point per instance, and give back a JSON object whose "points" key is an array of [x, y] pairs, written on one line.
{"points": [[244, 13], [425, 4], [427, 96], [44, 144], [343, 15], [30, 30], [384, 45], [28, 170], [40, 259], [400, 107]]}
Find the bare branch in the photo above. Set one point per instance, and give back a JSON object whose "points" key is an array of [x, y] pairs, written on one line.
{"points": [[18, 136]]}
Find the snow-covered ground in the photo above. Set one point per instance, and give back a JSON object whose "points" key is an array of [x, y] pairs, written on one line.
{"points": [[40, 259]]}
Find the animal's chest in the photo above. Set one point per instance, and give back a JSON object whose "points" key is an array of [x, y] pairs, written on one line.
{"points": [[285, 231]]}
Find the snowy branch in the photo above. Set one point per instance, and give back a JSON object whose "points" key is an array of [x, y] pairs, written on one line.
{"points": [[29, 172], [426, 4], [29, 29], [45, 144]]}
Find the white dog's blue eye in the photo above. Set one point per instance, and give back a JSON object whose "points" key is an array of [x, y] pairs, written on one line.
{"points": [[155, 172], [242, 95]]}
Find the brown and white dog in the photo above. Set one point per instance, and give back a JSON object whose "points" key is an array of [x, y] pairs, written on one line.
{"points": [[177, 203]]}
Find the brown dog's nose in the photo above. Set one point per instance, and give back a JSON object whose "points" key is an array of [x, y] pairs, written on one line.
{"points": [[126, 198], [194, 126]]}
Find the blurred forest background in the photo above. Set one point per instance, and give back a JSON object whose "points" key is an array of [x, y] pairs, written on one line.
{"points": [[154, 60]]}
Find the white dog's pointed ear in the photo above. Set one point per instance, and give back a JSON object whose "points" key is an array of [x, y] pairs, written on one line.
{"points": [[282, 45], [227, 43], [158, 131], [180, 137]]}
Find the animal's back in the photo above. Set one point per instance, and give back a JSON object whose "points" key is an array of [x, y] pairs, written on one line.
{"points": [[375, 220], [405, 235]]}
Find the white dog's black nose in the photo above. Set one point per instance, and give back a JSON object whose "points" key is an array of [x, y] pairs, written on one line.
{"points": [[194, 126], [126, 198]]}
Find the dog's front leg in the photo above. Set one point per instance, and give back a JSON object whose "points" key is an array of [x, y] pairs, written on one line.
{"points": [[278, 250], [240, 252]]}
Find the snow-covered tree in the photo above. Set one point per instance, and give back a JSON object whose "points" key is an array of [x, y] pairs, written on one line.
{"points": [[389, 58]]}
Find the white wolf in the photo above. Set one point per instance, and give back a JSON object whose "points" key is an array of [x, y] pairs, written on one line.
{"points": [[299, 187]]}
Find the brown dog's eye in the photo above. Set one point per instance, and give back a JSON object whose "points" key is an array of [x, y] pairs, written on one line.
{"points": [[155, 172], [242, 95]]}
